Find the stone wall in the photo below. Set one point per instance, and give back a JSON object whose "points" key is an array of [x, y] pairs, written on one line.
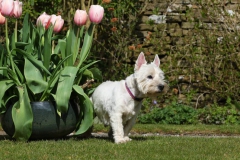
{"points": [[171, 20], [169, 26]]}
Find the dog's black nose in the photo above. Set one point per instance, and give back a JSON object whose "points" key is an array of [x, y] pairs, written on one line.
{"points": [[161, 87]]}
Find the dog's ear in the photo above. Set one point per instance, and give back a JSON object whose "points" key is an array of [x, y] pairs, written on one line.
{"points": [[140, 61], [156, 61]]}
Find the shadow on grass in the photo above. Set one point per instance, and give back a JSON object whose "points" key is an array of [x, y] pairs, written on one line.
{"points": [[139, 138], [4, 136]]}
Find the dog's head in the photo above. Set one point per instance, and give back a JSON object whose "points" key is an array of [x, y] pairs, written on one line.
{"points": [[149, 77]]}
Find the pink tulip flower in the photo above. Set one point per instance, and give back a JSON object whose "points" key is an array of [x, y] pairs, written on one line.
{"points": [[44, 20], [96, 13], [2, 19], [6, 7], [80, 17], [57, 23], [17, 9]]}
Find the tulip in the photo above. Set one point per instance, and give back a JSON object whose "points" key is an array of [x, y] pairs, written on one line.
{"points": [[80, 17], [96, 13], [17, 9], [57, 23], [2, 19], [44, 20], [6, 7]]}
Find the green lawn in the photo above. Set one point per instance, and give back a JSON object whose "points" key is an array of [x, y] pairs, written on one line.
{"points": [[181, 129], [141, 148]]}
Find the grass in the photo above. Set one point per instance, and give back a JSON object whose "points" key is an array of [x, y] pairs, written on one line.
{"points": [[141, 148]]}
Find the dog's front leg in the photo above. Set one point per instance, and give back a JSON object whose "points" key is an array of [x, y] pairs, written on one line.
{"points": [[117, 128]]}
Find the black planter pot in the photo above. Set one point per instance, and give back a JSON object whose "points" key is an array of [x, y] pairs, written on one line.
{"points": [[46, 122]]}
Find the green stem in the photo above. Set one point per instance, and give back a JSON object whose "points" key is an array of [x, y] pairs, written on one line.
{"points": [[7, 46], [15, 30]]}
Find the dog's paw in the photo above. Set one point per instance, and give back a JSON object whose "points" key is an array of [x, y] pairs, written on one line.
{"points": [[118, 141], [127, 139], [122, 140]]}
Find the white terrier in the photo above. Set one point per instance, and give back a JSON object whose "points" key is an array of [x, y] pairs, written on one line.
{"points": [[118, 103]]}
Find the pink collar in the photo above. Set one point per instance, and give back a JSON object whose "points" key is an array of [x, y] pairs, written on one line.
{"points": [[130, 93]]}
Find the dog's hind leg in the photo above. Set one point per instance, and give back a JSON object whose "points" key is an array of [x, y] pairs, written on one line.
{"points": [[128, 126], [110, 132]]}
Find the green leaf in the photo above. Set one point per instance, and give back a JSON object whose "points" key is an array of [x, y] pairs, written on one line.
{"points": [[11, 75], [80, 71], [34, 78], [77, 39], [25, 29], [21, 44], [87, 43], [53, 78], [64, 88], [62, 44], [33, 60], [22, 115], [87, 73], [97, 75], [69, 44], [87, 108], [47, 51], [4, 85], [86, 66], [72, 44], [18, 72]]}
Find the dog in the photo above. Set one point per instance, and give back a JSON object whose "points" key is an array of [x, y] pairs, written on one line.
{"points": [[118, 103]]}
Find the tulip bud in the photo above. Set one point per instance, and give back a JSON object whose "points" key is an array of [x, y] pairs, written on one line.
{"points": [[2, 19], [17, 9], [57, 23], [44, 20], [80, 17], [96, 13], [6, 7]]}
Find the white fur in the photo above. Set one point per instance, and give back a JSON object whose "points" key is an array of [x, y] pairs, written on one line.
{"points": [[115, 107]]}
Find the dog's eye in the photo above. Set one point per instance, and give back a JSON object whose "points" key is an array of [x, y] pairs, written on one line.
{"points": [[149, 77]]}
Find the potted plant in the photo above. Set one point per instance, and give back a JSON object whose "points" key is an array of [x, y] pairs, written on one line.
{"points": [[37, 64]]}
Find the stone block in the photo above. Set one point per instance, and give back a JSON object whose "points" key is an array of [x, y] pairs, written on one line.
{"points": [[188, 32], [176, 8], [165, 40], [188, 25], [161, 27], [144, 19], [176, 17], [175, 32], [173, 26], [235, 1], [144, 27], [182, 1], [232, 7]]}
